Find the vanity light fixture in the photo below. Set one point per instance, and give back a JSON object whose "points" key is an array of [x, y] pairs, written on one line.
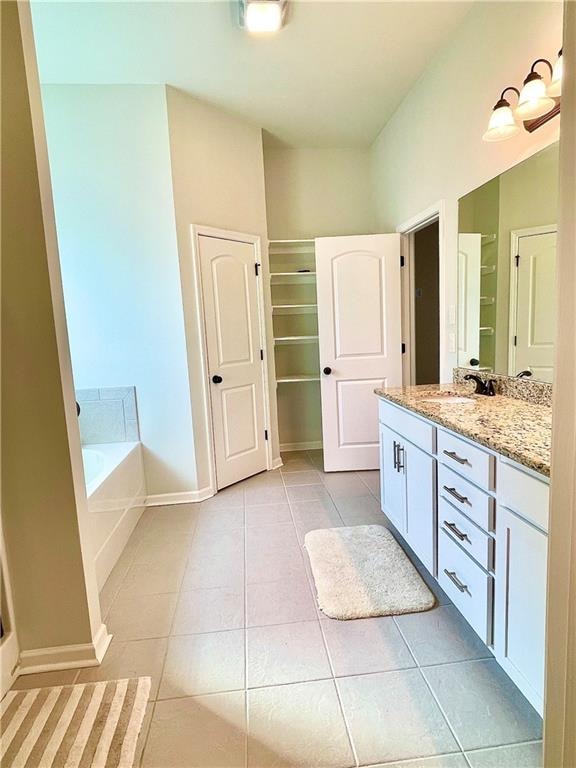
{"points": [[536, 103], [533, 101], [262, 16], [502, 123]]}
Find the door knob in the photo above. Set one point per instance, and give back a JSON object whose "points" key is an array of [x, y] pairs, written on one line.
{"points": [[474, 361], [327, 370], [217, 379]]}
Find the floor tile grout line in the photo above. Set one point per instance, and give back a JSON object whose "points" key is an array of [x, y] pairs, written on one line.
{"points": [[441, 709]]}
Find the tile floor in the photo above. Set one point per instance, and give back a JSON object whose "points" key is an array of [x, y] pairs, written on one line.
{"points": [[215, 602]]}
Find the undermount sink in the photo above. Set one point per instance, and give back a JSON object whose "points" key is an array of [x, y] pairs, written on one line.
{"points": [[447, 399]]}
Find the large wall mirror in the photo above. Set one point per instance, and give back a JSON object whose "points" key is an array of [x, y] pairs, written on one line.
{"points": [[507, 270]]}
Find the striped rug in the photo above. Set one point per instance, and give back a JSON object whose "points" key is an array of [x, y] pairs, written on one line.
{"points": [[73, 726]]}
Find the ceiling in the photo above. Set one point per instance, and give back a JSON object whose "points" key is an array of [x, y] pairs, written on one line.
{"points": [[331, 78]]}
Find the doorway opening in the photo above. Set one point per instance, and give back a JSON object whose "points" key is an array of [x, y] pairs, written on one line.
{"points": [[425, 301]]}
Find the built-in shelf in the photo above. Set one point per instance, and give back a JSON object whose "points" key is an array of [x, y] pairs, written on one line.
{"points": [[488, 269], [294, 309], [487, 239], [293, 276], [296, 378], [486, 330], [295, 339], [486, 300]]}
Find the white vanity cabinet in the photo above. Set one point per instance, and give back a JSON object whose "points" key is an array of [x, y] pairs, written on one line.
{"points": [[479, 523], [408, 488]]}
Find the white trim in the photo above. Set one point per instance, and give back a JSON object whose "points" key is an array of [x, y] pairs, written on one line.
{"points": [[515, 237], [110, 551], [66, 656], [446, 212], [185, 497], [255, 240], [277, 463], [313, 445]]}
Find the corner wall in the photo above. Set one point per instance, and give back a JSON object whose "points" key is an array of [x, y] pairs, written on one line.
{"points": [[110, 162], [432, 147], [218, 181]]}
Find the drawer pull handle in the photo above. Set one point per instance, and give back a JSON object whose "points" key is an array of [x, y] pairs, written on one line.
{"points": [[400, 461], [456, 531], [455, 580], [454, 455], [457, 496]]}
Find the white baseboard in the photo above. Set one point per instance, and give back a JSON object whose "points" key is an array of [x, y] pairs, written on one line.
{"points": [[66, 656], [186, 497], [277, 463], [312, 446]]}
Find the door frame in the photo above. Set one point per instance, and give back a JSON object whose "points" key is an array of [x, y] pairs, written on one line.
{"points": [[446, 213], [199, 230], [515, 236]]}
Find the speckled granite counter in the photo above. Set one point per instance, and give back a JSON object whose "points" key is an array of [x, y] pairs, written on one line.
{"points": [[513, 428]]}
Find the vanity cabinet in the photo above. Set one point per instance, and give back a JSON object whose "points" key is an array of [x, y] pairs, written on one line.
{"points": [[479, 522], [408, 488]]}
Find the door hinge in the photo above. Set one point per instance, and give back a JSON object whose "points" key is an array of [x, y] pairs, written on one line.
{"points": [[257, 266], [517, 259], [261, 354], [265, 434], [515, 341], [402, 261], [403, 348]]}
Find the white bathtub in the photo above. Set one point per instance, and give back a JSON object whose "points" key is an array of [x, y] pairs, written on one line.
{"points": [[116, 491]]}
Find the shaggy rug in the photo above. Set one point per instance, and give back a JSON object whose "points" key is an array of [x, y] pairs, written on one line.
{"points": [[362, 571]]}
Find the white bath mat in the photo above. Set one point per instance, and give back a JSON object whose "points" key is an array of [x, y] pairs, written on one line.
{"points": [[362, 571], [95, 725]]}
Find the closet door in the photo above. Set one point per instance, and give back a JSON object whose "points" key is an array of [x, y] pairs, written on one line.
{"points": [[233, 340], [359, 327]]}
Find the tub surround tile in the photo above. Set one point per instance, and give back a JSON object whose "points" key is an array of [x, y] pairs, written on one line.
{"points": [[108, 415], [520, 430]]}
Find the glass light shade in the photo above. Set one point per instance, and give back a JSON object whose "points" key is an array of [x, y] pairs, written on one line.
{"points": [[533, 101], [555, 87], [263, 16], [502, 124]]}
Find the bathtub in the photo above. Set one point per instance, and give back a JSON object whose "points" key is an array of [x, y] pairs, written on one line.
{"points": [[116, 491]]}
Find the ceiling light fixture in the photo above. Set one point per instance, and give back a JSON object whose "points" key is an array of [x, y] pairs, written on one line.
{"points": [[262, 16], [536, 103]]}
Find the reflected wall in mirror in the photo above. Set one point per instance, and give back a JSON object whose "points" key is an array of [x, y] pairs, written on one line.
{"points": [[506, 270]]}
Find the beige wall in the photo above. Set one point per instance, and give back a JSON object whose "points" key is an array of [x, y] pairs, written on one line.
{"points": [[432, 147], [218, 181], [39, 504], [318, 192]]}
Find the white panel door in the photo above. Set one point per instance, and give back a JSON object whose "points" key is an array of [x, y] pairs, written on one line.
{"points": [[535, 306], [359, 327], [236, 371], [469, 262]]}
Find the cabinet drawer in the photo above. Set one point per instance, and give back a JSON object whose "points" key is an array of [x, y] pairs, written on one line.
{"points": [[477, 543], [416, 431], [473, 502], [466, 459], [524, 494], [466, 584]]}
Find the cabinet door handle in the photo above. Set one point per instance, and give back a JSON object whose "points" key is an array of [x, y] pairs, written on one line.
{"points": [[395, 455], [455, 580], [457, 496], [456, 531], [400, 461], [454, 455]]}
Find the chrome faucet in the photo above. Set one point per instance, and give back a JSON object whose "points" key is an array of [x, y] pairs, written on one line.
{"points": [[482, 387]]}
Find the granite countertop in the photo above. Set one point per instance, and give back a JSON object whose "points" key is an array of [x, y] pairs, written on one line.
{"points": [[520, 430]]}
